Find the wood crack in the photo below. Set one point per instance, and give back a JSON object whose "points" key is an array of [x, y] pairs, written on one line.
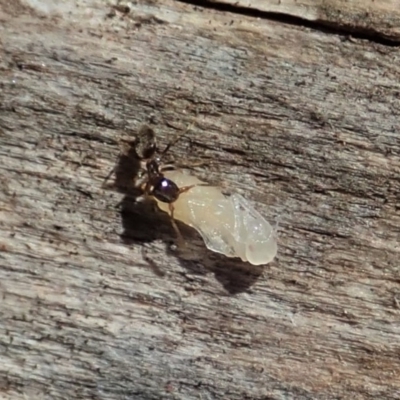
{"points": [[326, 26]]}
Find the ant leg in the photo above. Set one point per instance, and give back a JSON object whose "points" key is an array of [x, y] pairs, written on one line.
{"points": [[187, 165], [184, 189], [176, 139], [195, 164], [167, 167], [180, 240], [156, 269], [175, 166]]}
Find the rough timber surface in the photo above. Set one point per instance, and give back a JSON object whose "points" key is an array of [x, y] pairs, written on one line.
{"points": [[96, 305], [378, 18]]}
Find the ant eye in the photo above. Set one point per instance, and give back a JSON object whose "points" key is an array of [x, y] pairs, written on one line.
{"points": [[165, 190]]}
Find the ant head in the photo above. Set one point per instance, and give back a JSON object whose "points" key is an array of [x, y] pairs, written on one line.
{"points": [[165, 190]]}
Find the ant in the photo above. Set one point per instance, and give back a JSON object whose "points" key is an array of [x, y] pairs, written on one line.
{"points": [[151, 180]]}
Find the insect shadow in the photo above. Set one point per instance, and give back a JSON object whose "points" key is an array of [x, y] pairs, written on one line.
{"points": [[143, 223], [140, 221]]}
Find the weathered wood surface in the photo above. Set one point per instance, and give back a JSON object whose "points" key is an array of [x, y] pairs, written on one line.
{"points": [[377, 19], [303, 123]]}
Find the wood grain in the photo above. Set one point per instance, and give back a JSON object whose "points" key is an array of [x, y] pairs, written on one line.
{"points": [[377, 19], [96, 304]]}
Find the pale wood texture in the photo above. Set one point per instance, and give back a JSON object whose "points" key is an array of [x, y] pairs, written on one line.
{"points": [[378, 18], [303, 123]]}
